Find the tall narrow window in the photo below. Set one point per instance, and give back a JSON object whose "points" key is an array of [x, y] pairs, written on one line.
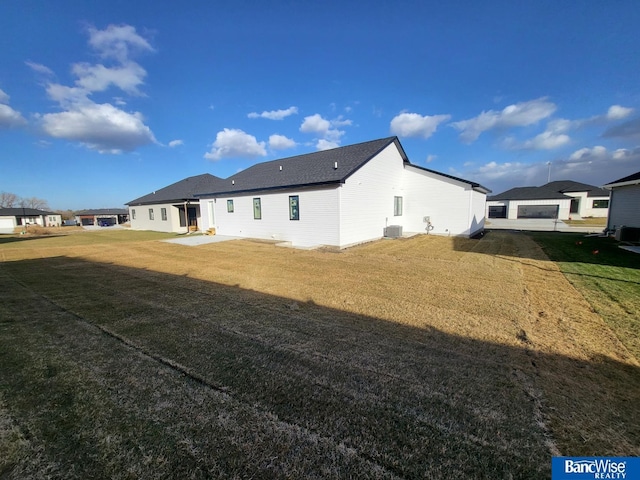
{"points": [[151, 214], [397, 206], [257, 209], [163, 213], [294, 207], [230, 206], [133, 213]]}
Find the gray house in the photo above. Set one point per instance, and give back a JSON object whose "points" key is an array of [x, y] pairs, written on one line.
{"points": [[174, 208], [563, 199], [624, 207]]}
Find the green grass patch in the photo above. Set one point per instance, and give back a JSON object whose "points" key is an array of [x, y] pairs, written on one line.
{"points": [[587, 222], [607, 276]]}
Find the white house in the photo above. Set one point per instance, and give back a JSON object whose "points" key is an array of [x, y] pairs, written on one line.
{"points": [[173, 208], [342, 197], [563, 199], [10, 218], [624, 206], [102, 216]]}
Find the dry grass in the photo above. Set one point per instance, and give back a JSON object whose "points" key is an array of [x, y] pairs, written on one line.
{"points": [[424, 357]]}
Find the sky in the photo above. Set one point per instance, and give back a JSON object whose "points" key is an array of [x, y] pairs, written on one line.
{"points": [[102, 102]]}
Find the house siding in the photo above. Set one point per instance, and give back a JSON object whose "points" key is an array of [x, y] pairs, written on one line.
{"points": [[624, 207], [453, 207], [317, 224], [512, 206], [366, 198], [171, 224]]}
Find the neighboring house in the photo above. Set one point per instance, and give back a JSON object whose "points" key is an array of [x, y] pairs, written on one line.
{"points": [[624, 206], [563, 199], [102, 216], [10, 218], [342, 197], [173, 208]]}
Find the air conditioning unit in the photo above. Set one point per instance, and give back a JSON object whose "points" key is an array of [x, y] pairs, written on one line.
{"points": [[627, 234], [393, 231]]}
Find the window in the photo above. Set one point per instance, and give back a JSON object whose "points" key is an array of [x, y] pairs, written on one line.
{"points": [[230, 206], [257, 209], [151, 214], [163, 213], [133, 213], [294, 204], [601, 204], [397, 206]]}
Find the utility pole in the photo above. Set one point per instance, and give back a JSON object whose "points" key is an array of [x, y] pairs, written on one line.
{"points": [[549, 174]]}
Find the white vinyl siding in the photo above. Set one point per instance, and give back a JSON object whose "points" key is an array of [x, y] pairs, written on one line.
{"points": [[624, 207], [172, 224]]}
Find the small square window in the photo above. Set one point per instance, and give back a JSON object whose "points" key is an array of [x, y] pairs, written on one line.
{"points": [[397, 206], [294, 207], [151, 214], [163, 213], [257, 209], [230, 206]]}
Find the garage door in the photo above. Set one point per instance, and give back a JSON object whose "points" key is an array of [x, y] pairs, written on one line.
{"points": [[497, 211], [538, 211], [6, 225]]}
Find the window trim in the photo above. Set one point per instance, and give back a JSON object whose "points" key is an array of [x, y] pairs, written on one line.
{"points": [[294, 207], [163, 214], [593, 205], [230, 208], [151, 214], [133, 214], [257, 208], [397, 206]]}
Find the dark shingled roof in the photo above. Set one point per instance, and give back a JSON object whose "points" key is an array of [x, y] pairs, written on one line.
{"points": [[550, 191], [629, 178], [19, 212], [317, 168], [181, 191]]}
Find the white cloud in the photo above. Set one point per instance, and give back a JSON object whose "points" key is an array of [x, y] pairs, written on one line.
{"points": [[99, 127], [517, 115], [97, 78], [117, 42], [39, 68], [233, 143], [617, 112], [589, 154], [326, 144], [315, 124], [9, 117], [275, 114], [547, 140], [431, 158], [325, 129], [175, 143], [416, 125], [280, 142]]}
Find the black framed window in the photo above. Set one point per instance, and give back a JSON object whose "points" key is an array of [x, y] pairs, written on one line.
{"points": [[230, 206], [257, 209], [601, 204], [151, 214], [294, 207]]}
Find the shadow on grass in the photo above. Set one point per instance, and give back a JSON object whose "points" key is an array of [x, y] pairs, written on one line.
{"points": [[564, 247], [109, 370]]}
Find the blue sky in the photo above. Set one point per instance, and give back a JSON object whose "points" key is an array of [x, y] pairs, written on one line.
{"points": [[105, 101]]}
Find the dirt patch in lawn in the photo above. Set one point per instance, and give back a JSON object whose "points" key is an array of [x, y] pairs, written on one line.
{"points": [[423, 357]]}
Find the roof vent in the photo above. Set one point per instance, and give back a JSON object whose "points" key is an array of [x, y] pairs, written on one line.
{"points": [[233, 182], [335, 165], [280, 167]]}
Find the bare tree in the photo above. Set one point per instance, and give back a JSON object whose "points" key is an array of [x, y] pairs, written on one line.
{"points": [[36, 203], [9, 200]]}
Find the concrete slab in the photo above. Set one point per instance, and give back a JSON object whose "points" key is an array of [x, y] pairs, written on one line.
{"points": [[539, 225], [195, 240]]}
